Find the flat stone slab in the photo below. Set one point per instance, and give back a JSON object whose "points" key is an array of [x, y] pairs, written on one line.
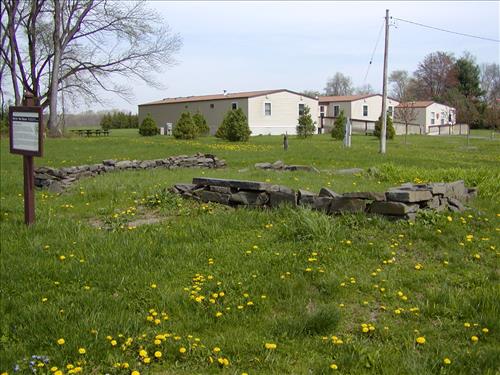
{"points": [[277, 198], [344, 204], [325, 192], [237, 184], [305, 168], [369, 195], [408, 196], [249, 198], [391, 208]]}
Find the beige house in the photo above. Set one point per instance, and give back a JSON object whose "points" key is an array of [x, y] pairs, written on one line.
{"points": [[363, 110], [431, 117], [269, 112]]}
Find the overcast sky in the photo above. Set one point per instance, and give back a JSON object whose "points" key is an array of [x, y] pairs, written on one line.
{"points": [[240, 46]]}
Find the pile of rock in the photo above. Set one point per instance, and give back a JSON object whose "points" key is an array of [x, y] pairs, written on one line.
{"points": [[280, 166], [402, 202], [56, 180]]}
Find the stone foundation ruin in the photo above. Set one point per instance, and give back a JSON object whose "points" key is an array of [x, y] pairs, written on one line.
{"points": [[402, 202]]}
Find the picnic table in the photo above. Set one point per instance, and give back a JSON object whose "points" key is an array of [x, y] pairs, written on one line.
{"points": [[90, 132]]}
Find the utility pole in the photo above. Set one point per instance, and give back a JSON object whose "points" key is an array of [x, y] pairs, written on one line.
{"points": [[384, 89]]}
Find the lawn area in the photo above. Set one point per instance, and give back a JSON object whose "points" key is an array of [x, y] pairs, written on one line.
{"points": [[213, 290]]}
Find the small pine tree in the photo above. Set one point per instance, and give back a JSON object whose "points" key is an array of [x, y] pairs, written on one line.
{"points": [[338, 130], [305, 127], [185, 127], [234, 127], [148, 126], [106, 122], [202, 127], [389, 132]]}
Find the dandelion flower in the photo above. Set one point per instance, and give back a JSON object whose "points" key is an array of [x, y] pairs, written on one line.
{"points": [[485, 330], [216, 349], [474, 339], [333, 366], [157, 354], [420, 340], [270, 346], [447, 361], [135, 372], [82, 351], [182, 350], [61, 341], [143, 353]]}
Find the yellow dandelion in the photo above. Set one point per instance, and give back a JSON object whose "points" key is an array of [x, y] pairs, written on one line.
{"points": [[82, 351], [61, 341], [157, 354], [474, 339], [270, 346], [447, 361], [420, 340], [333, 366], [182, 350]]}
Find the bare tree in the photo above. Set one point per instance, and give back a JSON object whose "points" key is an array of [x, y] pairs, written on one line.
{"points": [[435, 74], [87, 44], [400, 82], [405, 113], [490, 82], [339, 84], [364, 90]]}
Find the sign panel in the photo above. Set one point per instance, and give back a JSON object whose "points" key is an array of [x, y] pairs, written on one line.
{"points": [[25, 129]]}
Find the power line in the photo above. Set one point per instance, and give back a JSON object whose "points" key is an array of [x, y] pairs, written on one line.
{"points": [[448, 31], [373, 53]]}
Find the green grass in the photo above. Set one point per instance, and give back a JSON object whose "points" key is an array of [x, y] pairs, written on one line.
{"points": [[320, 276]]}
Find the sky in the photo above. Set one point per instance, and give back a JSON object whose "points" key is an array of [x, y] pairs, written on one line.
{"points": [[298, 45]]}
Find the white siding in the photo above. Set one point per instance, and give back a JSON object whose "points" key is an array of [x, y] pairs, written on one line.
{"points": [[284, 113]]}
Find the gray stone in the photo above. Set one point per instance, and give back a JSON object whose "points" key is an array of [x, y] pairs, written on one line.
{"points": [[344, 204], [55, 187], [305, 198], [409, 217], [146, 164], [369, 195], [391, 208], [108, 168], [281, 189], [94, 167], [249, 198], [220, 189], [325, 192], [438, 188], [211, 196], [408, 196], [471, 193], [109, 162], [455, 205], [432, 204], [238, 184], [43, 176], [124, 164], [322, 203], [263, 165], [278, 164], [304, 168], [456, 190], [185, 188], [349, 171], [284, 196]]}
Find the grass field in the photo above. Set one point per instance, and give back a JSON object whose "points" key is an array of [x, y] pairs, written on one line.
{"points": [[215, 290]]}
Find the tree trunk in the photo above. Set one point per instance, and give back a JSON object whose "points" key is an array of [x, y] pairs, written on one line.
{"points": [[54, 79]]}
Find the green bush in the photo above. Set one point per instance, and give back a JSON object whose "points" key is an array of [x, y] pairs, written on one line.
{"points": [[148, 126], [338, 130], [185, 127], [390, 132], [202, 127], [234, 127], [305, 127]]}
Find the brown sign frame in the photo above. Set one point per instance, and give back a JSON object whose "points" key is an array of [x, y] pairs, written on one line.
{"points": [[38, 110]]}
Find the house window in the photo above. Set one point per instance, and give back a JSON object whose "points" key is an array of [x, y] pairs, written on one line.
{"points": [[390, 110], [267, 109], [212, 105], [234, 105], [365, 110], [433, 118], [335, 110], [443, 118], [302, 107], [321, 110]]}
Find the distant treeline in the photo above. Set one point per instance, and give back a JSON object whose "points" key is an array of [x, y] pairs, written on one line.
{"points": [[105, 119], [119, 120]]}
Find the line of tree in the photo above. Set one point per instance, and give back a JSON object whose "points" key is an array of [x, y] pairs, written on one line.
{"points": [[458, 82], [119, 120], [81, 48]]}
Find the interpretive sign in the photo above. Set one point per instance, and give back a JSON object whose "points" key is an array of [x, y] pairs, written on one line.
{"points": [[25, 130]]}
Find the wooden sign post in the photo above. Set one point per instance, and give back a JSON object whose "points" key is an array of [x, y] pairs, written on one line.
{"points": [[26, 138]]}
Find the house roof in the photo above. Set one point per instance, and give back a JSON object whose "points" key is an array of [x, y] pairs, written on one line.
{"points": [[418, 103], [344, 98], [230, 95]]}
